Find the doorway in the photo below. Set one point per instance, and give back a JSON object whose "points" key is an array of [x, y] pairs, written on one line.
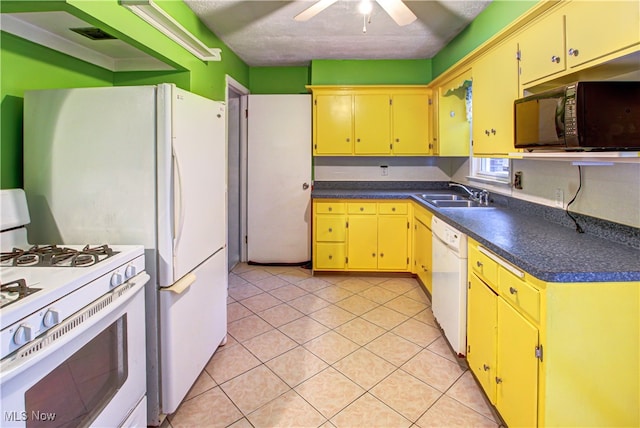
{"points": [[236, 171]]}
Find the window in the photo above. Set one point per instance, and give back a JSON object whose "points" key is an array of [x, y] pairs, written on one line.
{"points": [[493, 169]]}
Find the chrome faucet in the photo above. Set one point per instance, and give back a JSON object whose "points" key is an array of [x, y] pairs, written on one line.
{"points": [[481, 197], [472, 195]]}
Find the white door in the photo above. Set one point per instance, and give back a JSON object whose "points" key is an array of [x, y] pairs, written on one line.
{"points": [[279, 178], [199, 180]]}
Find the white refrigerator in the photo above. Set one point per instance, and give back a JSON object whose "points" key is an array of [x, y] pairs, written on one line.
{"points": [[140, 165]]}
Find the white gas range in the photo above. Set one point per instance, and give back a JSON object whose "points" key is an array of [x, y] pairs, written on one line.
{"points": [[72, 328]]}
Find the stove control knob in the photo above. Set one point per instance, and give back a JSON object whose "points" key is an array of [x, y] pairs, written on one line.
{"points": [[130, 271], [51, 318], [22, 335], [116, 279]]}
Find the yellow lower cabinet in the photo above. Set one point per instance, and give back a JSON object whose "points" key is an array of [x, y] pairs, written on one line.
{"points": [[422, 252], [482, 314], [330, 256], [362, 243], [393, 240], [517, 368]]}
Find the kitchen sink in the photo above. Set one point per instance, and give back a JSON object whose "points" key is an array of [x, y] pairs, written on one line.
{"points": [[442, 197], [450, 200], [456, 204]]}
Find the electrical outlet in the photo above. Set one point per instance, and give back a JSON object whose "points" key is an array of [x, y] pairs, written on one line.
{"points": [[559, 198], [385, 170]]}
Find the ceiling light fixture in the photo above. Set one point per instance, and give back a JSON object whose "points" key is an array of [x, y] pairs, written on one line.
{"points": [[365, 7], [163, 22]]}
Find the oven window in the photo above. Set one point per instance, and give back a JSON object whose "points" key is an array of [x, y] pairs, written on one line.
{"points": [[76, 391]]}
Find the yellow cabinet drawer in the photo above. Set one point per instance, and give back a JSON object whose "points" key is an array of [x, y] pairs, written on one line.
{"points": [[392, 208], [361, 207], [330, 256], [482, 265], [519, 293], [330, 228], [330, 207]]}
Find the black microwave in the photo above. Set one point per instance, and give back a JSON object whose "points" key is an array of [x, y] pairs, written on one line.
{"points": [[580, 116]]}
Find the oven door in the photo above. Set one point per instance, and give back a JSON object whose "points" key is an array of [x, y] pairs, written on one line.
{"points": [[88, 371]]}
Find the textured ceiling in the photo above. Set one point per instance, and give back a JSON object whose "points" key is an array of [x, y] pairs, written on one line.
{"points": [[263, 33]]}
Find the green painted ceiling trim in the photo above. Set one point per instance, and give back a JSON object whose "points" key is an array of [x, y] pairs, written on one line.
{"points": [[371, 72], [16, 6], [490, 21]]}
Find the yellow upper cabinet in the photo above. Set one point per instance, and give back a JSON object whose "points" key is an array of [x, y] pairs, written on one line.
{"points": [[372, 124], [578, 34], [411, 116], [542, 48], [495, 87], [598, 28], [371, 120], [334, 136], [454, 130]]}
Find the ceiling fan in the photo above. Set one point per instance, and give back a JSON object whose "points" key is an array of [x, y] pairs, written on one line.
{"points": [[398, 11]]}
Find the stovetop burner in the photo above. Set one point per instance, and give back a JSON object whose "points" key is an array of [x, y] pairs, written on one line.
{"points": [[54, 256], [14, 290]]}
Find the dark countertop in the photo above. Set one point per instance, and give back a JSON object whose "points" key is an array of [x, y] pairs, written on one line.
{"points": [[549, 251]]}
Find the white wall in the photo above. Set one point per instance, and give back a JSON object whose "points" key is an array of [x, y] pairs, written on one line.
{"points": [[608, 192]]}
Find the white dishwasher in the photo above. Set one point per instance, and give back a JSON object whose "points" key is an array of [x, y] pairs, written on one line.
{"points": [[449, 275]]}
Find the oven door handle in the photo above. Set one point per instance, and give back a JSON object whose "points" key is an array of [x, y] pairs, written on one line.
{"points": [[182, 284]]}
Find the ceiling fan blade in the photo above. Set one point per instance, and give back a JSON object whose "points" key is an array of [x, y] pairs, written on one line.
{"points": [[314, 10], [398, 11]]}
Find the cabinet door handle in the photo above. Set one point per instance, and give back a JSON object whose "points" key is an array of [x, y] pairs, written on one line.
{"points": [[479, 263], [330, 209], [486, 131], [393, 208], [373, 254], [358, 140], [397, 140], [493, 131], [573, 52], [361, 208], [512, 290], [556, 59], [381, 254], [330, 256], [485, 367], [498, 380], [424, 268], [330, 230], [348, 139]]}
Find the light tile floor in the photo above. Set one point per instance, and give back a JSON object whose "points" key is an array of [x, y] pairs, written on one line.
{"points": [[331, 351]]}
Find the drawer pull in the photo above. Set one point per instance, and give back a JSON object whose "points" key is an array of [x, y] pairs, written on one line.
{"points": [[498, 380], [330, 230], [330, 209], [393, 209], [381, 254], [361, 208], [513, 290], [479, 263], [424, 268], [555, 59], [330, 256], [373, 254], [485, 367]]}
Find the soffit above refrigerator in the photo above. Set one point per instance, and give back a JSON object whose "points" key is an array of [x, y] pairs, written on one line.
{"points": [[54, 30]]}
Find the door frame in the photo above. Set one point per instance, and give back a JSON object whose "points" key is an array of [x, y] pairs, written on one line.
{"points": [[235, 89]]}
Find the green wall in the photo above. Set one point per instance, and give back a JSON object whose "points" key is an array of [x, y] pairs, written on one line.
{"points": [[278, 80], [371, 72], [490, 21], [25, 65]]}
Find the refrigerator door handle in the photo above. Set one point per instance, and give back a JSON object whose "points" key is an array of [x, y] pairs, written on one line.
{"points": [[177, 231], [182, 284]]}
